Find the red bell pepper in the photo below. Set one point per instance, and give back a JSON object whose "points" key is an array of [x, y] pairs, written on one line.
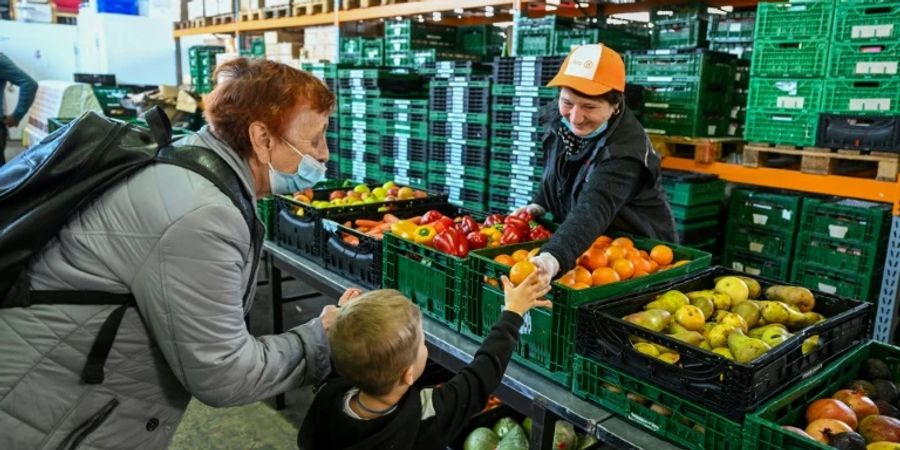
{"points": [[538, 233], [443, 223], [431, 217], [494, 219], [467, 225], [525, 215], [452, 242], [512, 235], [517, 223], [477, 240]]}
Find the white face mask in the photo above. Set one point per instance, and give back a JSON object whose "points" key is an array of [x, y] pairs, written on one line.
{"points": [[309, 172]]}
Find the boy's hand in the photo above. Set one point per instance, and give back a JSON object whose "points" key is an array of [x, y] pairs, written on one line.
{"points": [[329, 315], [519, 299], [348, 295]]}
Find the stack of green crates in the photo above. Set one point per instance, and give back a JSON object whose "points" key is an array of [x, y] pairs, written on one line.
{"points": [[790, 54], [680, 26], [459, 128], [685, 92], [408, 43], [761, 232], [739, 100], [862, 77], [404, 141], [328, 72], [732, 33], [483, 41], [361, 51], [358, 115], [556, 36], [841, 247], [517, 156], [538, 37], [696, 202], [202, 62]]}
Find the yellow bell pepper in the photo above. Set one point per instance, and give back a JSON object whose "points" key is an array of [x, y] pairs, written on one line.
{"points": [[424, 234], [404, 229], [492, 233]]}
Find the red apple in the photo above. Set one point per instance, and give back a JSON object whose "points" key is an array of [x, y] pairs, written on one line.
{"points": [[335, 195]]}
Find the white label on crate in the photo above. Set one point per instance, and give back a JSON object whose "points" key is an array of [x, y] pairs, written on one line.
{"points": [[732, 129], [756, 247], [737, 266], [876, 68], [811, 372], [872, 31], [786, 215], [711, 130], [837, 231], [869, 104], [788, 102], [734, 26], [760, 219], [656, 105], [827, 288], [660, 79], [646, 423], [752, 271]]}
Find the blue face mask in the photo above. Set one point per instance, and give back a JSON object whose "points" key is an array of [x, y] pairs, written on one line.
{"points": [[594, 133], [309, 172]]}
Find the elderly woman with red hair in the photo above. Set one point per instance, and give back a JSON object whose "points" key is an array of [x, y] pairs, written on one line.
{"points": [[176, 242]]}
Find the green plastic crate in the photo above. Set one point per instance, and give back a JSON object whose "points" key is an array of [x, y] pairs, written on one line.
{"points": [[693, 194], [689, 33], [785, 94], [846, 220], [700, 212], [589, 381], [501, 168], [547, 339], [801, 59], [759, 241], [755, 265], [681, 65], [841, 256], [875, 97], [523, 91], [413, 130], [732, 27], [858, 286], [870, 60], [770, 210], [763, 429], [477, 118], [684, 122], [780, 127], [794, 20], [459, 181], [469, 142], [460, 170], [878, 22], [566, 40], [524, 188]]}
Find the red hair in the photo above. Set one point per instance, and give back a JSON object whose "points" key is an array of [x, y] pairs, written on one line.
{"points": [[251, 90]]}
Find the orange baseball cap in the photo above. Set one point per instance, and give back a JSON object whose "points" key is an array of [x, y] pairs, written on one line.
{"points": [[593, 69]]}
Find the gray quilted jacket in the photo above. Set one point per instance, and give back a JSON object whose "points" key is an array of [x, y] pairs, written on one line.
{"points": [[182, 248]]}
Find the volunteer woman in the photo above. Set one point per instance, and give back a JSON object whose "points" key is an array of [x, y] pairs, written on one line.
{"points": [[602, 175]]}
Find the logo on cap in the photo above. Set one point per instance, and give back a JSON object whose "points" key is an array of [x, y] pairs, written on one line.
{"points": [[583, 61]]}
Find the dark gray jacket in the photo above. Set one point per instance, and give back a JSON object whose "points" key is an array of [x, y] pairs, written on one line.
{"points": [[612, 184]]}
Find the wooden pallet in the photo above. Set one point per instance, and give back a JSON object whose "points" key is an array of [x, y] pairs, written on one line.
{"points": [[199, 22], [314, 7], [222, 19], [703, 150], [276, 12], [355, 4], [824, 161]]}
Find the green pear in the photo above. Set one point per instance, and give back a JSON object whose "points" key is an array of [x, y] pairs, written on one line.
{"points": [[774, 336], [690, 337], [800, 297], [674, 328], [754, 287], [758, 331], [749, 311], [669, 301], [735, 288], [654, 319], [724, 352], [718, 335], [746, 349], [706, 304]]}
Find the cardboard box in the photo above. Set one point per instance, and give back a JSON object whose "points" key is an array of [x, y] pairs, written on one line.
{"points": [[226, 7], [211, 8], [275, 37], [276, 3], [195, 9]]}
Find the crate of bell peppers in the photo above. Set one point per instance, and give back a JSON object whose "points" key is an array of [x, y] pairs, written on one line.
{"points": [[428, 261], [353, 246], [298, 216], [610, 267]]}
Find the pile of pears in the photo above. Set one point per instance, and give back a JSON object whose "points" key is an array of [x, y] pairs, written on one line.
{"points": [[729, 320]]}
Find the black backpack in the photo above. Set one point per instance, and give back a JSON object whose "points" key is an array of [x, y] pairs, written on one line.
{"points": [[41, 189]]}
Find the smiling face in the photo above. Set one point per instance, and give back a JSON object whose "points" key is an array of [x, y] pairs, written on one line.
{"points": [[584, 113]]}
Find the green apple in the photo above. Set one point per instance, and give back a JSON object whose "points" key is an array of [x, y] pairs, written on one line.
{"points": [[735, 288], [380, 193], [389, 185], [370, 200], [361, 188]]}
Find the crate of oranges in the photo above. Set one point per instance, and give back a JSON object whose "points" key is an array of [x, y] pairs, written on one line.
{"points": [[611, 267]]}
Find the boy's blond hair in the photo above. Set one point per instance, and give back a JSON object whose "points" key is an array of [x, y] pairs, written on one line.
{"points": [[374, 339]]}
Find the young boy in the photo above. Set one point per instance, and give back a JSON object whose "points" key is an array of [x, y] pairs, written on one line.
{"points": [[378, 348]]}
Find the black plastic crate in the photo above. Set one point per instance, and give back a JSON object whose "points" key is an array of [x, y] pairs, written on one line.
{"points": [[522, 118], [859, 132], [403, 148], [456, 130], [526, 70], [534, 159], [465, 104], [404, 116], [725, 387], [515, 133], [459, 154], [522, 103]]}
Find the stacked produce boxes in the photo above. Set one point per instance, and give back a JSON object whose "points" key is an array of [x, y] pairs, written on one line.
{"points": [[328, 72], [761, 233], [408, 43], [732, 33], [517, 159], [404, 141], [361, 51], [680, 26], [683, 90], [696, 201], [202, 63], [557, 36], [790, 55], [841, 247], [459, 128]]}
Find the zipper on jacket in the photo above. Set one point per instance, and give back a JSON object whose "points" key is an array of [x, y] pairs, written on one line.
{"points": [[88, 426]]}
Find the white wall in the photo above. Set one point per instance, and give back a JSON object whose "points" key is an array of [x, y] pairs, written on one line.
{"points": [[44, 51]]}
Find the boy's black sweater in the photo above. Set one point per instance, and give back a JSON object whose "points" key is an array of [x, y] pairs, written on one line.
{"points": [[424, 419]]}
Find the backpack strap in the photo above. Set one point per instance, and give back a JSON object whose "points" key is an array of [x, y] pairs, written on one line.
{"points": [[160, 126]]}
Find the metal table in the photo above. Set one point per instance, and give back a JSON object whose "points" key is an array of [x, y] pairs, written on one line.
{"points": [[523, 390]]}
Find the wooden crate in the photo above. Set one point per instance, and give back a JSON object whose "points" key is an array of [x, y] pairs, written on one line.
{"points": [[704, 150], [823, 161]]}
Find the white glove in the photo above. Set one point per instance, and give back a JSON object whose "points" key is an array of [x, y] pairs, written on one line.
{"points": [[547, 263], [534, 209]]}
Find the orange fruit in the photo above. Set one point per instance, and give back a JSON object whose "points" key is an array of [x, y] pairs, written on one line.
{"points": [[568, 279], [520, 272], [640, 264], [680, 263], [615, 252], [644, 254], [603, 241], [654, 266], [582, 275], [580, 286], [662, 254], [624, 267], [604, 275], [594, 259], [623, 242], [505, 259], [638, 274], [520, 254]]}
